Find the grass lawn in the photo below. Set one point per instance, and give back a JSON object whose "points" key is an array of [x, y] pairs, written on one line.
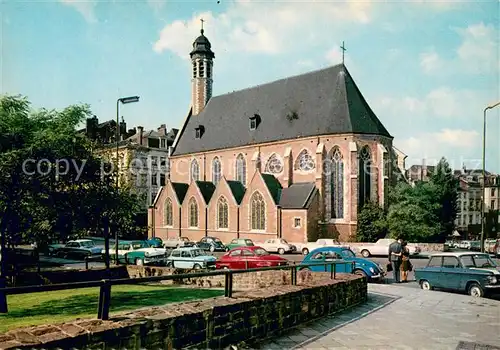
{"points": [[66, 305]]}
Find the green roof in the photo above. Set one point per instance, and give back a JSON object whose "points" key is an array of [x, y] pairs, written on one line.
{"points": [[274, 186], [237, 189], [207, 189], [180, 189]]}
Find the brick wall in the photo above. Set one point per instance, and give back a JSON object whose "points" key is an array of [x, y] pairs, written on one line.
{"points": [[214, 323]]}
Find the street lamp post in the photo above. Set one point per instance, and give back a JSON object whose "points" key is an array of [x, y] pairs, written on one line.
{"points": [[483, 206], [124, 100]]}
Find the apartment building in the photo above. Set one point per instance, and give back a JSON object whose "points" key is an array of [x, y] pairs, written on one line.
{"points": [[143, 156]]}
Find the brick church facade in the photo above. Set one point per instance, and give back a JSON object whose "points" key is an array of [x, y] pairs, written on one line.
{"points": [[290, 158]]}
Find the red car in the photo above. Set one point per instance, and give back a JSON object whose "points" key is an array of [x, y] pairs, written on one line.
{"points": [[249, 258]]}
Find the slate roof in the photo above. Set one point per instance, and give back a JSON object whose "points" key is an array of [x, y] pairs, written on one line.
{"points": [[274, 186], [297, 196], [322, 102], [207, 189], [237, 189], [180, 189]]}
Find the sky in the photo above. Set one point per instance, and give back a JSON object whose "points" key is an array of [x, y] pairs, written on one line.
{"points": [[427, 68]]}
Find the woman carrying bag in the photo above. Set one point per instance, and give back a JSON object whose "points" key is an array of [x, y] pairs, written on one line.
{"points": [[406, 265]]}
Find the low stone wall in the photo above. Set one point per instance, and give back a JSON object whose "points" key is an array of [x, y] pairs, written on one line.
{"points": [[211, 323]]}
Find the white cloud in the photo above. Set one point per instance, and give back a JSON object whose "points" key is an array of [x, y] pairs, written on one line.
{"points": [[252, 27], [477, 53], [157, 5], [457, 145], [86, 8]]}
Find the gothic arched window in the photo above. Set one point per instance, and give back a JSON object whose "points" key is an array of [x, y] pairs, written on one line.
{"points": [[222, 213], [257, 212], [304, 161], [241, 169], [334, 185], [274, 165], [168, 213], [193, 213], [216, 171], [195, 170], [364, 176]]}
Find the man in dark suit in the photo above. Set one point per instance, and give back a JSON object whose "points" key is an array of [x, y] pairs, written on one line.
{"points": [[395, 258]]}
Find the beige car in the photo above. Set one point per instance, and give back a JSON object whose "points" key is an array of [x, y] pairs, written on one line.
{"points": [[278, 245]]}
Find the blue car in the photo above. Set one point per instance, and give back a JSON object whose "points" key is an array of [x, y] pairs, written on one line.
{"points": [[349, 263]]}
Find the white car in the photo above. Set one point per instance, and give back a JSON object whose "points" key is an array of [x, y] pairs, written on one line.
{"points": [[278, 245], [381, 248], [323, 242], [177, 242]]}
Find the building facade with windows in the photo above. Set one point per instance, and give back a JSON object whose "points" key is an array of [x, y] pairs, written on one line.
{"points": [[285, 159]]}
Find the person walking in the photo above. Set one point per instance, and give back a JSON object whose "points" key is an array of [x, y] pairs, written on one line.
{"points": [[395, 256], [405, 262]]}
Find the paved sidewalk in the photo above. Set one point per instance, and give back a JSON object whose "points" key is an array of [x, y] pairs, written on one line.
{"points": [[398, 317]]}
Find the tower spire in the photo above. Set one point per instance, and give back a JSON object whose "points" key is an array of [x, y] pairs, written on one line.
{"points": [[202, 30], [343, 51]]}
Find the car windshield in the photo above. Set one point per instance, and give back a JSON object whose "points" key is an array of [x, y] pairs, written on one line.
{"points": [[248, 242], [478, 260], [197, 252], [261, 252], [347, 253], [139, 245], [87, 244], [284, 241]]}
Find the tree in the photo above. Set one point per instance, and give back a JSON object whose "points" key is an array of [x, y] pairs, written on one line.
{"points": [[52, 186], [372, 223], [447, 186]]}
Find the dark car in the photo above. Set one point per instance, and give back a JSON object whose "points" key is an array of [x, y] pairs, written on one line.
{"points": [[473, 273], [212, 244]]}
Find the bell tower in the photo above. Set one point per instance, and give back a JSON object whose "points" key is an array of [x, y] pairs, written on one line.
{"points": [[202, 72]]}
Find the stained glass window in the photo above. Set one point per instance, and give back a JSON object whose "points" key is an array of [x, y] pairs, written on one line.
{"points": [[258, 212], [216, 170], [364, 177], [222, 213], [193, 213], [304, 161], [274, 165], [241, 169], [334, 185], [167, 213], [195, 170]]}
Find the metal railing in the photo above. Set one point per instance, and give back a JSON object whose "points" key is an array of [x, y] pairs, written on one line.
{"points": [[105, 284]]}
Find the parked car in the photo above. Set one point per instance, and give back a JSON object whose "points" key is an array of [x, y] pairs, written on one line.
{"points": [[464, 245], [278, 245], [475, 245], [190, 258], [155, 242], [176, 242], [348, 263], [212, 244], [249, 257], [324, 242], [79, 249], [138, 253], [381, 248], [240, 242], [473, 273]]}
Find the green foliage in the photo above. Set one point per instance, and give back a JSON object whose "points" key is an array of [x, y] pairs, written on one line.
{"points": [[372, 223], [42, 204]]}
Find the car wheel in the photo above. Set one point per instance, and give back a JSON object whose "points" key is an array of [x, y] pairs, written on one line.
{"points": [[365, 253], [281, 251], [475, 290], [139, 262], [212, 248], [197, 267], [360, 273], [425, 285], [305, 251]]}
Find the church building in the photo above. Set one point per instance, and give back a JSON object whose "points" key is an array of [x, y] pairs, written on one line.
{"points": [[293, 159]]}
